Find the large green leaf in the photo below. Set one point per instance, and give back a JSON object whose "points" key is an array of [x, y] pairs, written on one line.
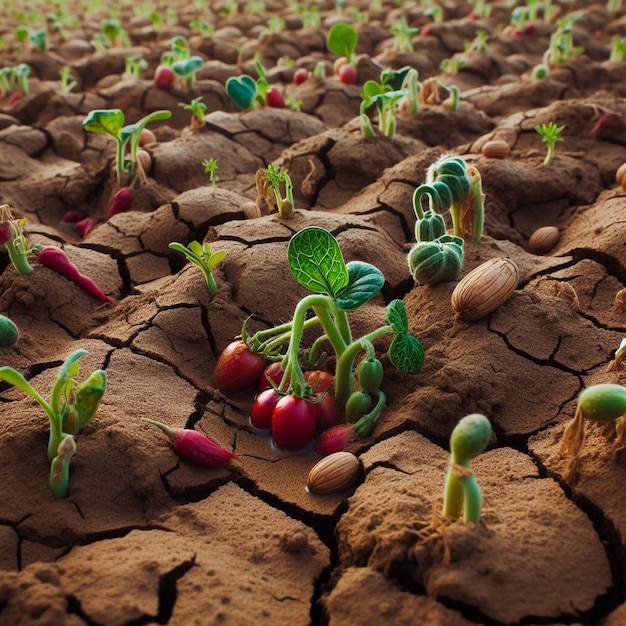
{"points": [[396, 317], [365, 281], [316, 262], [342, 40], [406, 353], [105, 121]]}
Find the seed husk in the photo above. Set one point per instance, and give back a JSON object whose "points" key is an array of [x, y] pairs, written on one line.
{"points": [[485, 288], [334, 473], [543, 240]]}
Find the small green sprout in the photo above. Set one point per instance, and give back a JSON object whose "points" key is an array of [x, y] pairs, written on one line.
{"points": [[461, 492], [187, 69], [204, 28], [550, 133], [203, 256], [275, 25], [311, 17], [210, 168], [67, 80], [133, 66], [111, 122], [618, 49], [115, 34], [342, 40], [197, 108], [12, 236], [402, 35], [436, 12], [70, 408], [275, 189], [605, 403], [39, 39]]}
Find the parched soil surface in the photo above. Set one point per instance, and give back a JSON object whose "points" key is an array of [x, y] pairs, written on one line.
{"points": [[147, 538]]}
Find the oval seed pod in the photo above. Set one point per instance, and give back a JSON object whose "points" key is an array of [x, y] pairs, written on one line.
{"points": [[430, 227], [433, 262], [603, 403], [334, 473], [88, 396], [469, 438], [496, 149], [543, 240], [485, 288], [9, 334]]}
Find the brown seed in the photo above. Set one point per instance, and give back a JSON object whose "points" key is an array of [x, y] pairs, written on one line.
{"points": [[250, 210], [334, 473], [485, 288], [543, 240], [146, 136], [620, 175], [496, 149], [144, 159]]}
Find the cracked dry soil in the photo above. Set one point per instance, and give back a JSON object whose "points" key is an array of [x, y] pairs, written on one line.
{"points": [[145, 538]]}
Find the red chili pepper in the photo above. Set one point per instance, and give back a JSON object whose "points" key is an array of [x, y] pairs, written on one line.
{"points": [[194, 446], [57, 260], [121, 202]]}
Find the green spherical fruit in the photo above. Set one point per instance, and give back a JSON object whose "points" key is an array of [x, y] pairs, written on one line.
{"points": [[433, 262], [9, 333]]}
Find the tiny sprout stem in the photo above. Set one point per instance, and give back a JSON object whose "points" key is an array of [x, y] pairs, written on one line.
{"points": [[17, 249], [119, 160], [276, 336], [210, 281], [330, 327], [550, 153]]}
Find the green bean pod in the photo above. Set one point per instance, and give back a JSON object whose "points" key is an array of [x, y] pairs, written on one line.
{"points": [[603, 403], [88, 396], [433, 262]]}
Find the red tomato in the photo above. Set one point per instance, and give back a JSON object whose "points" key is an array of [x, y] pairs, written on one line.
{"points": [[300, 75], [319, 380], [328, 413], [163, 76], [293, 423], [261, 414], [274, 98], [347, 74], [273, 372], [237, 368]]}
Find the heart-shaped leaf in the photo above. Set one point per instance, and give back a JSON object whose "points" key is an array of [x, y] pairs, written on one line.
{"points": [[396, 317], [242, 90], [406, 353]]}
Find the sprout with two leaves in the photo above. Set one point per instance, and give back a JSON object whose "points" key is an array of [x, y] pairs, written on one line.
{"points": [[71, 407], [450, 186], [204, 257]]}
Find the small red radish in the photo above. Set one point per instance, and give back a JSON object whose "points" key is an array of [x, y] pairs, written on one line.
{"points": [[194, 446], [121, 202], [85, 226], [530, 28], [57, 260], [300, 75], [73, 215], [274, 98], [347, 74], [261, 412], [163, 76], [334, 439]]}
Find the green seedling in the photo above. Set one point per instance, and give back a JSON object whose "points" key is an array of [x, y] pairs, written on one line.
{"points": [[603, 403], [275, 189], [111, 122], [436, 13], [12, 236], [618, 49], [197, 108], [204, 257], [461, 492], [342, 40], [246, 92], [204, 28], [67, 80], [210, 168], [550, 133], [39, 39], [275, 25], [402, 35], [14, 81], [71, 407], [115, 34], [393, 86], [133, 66], [316, 262], [450, 186], [311, 17], [187, 69]]}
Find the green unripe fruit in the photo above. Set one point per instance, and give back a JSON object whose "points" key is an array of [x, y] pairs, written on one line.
{"points": [[370, 375], [359, 404], [603, 403], [430, 227], [432, 262], [469, 438], [9, 334]]}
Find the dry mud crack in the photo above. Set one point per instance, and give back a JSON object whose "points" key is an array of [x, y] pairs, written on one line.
{"points": [[147, 538]]}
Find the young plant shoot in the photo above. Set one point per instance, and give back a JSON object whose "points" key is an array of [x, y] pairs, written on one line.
{"points": [[603, 403], [450, 186], [71, 407], [461, 492], [12, 236], [550, 133], [204, 257], [210, 168], [316, 262], [275, 189]]}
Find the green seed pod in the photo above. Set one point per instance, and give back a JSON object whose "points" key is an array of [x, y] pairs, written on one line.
{"points": [[359, 404], [603, 403], [469, 438], [447, 164], [88, 396], [433, 262], [430, 227], [459, 186], [71, 424], [9, 333]]}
